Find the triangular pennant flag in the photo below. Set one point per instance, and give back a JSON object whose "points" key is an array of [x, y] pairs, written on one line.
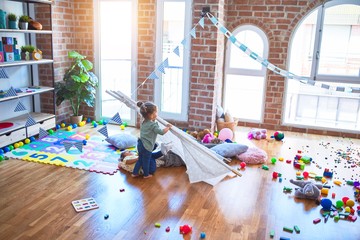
{"points": [[79, 146], [3, 73], [193, 33], [166, 62], [177, 51], [183, 42], [42, 133], [153, 76], [116, 118], [11, 92], [104, 131], [20, 107], [161, 68], [201, 22], [30, 121], [67, 145]]}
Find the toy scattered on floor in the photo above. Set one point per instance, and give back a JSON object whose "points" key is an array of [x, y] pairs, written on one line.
{"points": [[243, 165], [257, 134], [226, 133], [279, 135], [106, 216], [326, 204], [158, 225], [167, 229], [327, 173], [308, 189], [185, 229], [253, 155], [202, 235], [84, 204], [287, 189]]}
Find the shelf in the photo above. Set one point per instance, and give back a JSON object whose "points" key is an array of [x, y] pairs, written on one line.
{"points": [[20, 121], [25, 31], [28, 92], [23, 62], [34, 1]]}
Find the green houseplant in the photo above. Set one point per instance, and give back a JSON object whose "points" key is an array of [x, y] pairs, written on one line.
{"points": [[24, 22], [78, 86], [26, 51], [12, 20]]}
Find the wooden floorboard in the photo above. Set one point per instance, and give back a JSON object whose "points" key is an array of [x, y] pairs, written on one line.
{"points": [[35, 199]]}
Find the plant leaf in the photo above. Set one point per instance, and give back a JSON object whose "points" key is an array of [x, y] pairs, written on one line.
{"points": [[75, 54]]}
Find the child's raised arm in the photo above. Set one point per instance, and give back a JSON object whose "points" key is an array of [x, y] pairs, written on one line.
{"points": [[168, 126]]}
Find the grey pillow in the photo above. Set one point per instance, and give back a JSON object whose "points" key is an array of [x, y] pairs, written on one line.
{"points": [[229, 150], [122, 140]]}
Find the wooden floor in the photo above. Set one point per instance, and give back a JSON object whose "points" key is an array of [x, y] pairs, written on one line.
{"points": [[35, 199]]}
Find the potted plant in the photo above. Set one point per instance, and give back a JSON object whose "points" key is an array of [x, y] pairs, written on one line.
{"points": [[78, 86], [26, 52], [12, 20], [24, 22]]}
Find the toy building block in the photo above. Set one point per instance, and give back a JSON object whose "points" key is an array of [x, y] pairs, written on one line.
{"points": [[287, 189], [265, 167], [306, 159], [272, 234], [337, 182], [288, 229], [284, 238], [324, 191], [157, 225], [352, 218], [288, 161], [318, 178], [316, 221], [327, 173], [297, 229]]}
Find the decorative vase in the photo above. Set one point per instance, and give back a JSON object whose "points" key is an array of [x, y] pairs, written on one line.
{"points": [[12, 25], [23, 25], [76, 119]]}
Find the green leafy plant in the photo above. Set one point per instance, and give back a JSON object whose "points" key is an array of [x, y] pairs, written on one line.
{"points": [[12, 17], [27, 48], [24, 18], [79, 83]]}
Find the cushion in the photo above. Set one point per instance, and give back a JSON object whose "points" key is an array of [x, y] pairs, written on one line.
{"points": [[253, 155], [122, 140], [229, 150]]}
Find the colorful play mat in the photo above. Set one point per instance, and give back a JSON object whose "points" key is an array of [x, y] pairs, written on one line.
{"points": [[97, 155]]}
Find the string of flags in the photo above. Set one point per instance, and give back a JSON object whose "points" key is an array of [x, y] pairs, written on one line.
{"points": [[271, 66], [3, 73], [70, 144]]}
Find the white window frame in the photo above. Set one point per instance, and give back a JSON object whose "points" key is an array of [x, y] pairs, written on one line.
{"points": [[183, 116], [247, 72]]}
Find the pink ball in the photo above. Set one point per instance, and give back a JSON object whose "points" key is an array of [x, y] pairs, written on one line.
{"points": [[226, 133]]}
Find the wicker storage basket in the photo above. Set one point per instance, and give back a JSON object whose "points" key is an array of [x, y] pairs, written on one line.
{"points": [[230, 125]]}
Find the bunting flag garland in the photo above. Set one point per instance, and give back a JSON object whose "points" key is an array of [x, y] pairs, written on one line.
{"points": [[166, 63], [104, 131], [193, 33], [3, 73], [79, 146], [20, 107], [10, 93], [161, 68], [42, 133], [67, 145], [116, 118], [201, 22], [30, 121], [271, 66], [177, 51], [183, 42], [153, 76]]}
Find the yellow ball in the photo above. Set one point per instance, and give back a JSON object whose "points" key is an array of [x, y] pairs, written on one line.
{"points": [[21, 144], [62, 125], [16, 145], [216, 134], [350, 203], [347, 209], [27, 141], [87, 136], [69, 128], [122, 127]]}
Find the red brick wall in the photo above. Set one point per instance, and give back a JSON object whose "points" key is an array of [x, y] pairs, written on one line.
{"points": [[73, 29]]}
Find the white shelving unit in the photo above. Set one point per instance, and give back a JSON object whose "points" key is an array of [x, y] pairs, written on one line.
{"points": [[18, 131]]}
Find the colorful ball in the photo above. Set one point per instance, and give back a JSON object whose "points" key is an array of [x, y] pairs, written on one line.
{"points": [[339, 204], [27, 141], [6, 149], [69, 128], [350, 203], [74, 126], [1, 151], [305, 174], [11, 147], [226, 133], [21, 144], [87, 136], [84, 142], [273, 160], [95, 125], [88, 120], [345, 199], [125, 124], [202, 235], [326, 203], [101, 122], [122, 127], [16, 145], [51, 131], [62, 125], [279, 135], [2, 157], [32, 139], [243, 165]]}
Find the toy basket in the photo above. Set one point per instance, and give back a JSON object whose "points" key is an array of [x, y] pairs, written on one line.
{"points": [[230, 125]]}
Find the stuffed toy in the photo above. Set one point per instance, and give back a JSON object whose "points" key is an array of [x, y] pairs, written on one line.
{"points": [[257, 134], [308, 189]]}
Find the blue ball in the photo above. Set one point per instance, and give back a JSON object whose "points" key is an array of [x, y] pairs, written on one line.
{"points": [[1, 151], [58, 126], [202, 235], [105, 122], [326, 204], [32, 139], [95, 125], [88, 120], [84, 142], [6, 149], [74, 126]]}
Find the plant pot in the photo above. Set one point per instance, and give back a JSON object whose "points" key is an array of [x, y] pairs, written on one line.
{"points": [[26, 56], [76, 119], [12, 25], [23, 25]]}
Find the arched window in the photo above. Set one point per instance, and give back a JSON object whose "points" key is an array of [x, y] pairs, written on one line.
{"points": [[244, 84], [325, 48]]}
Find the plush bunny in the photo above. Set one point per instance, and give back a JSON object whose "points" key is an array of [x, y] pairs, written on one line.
{"points": [[308, 189]]}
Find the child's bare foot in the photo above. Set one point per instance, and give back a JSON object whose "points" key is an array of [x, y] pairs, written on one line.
{"points": [[149, 176], [134, 175]]}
